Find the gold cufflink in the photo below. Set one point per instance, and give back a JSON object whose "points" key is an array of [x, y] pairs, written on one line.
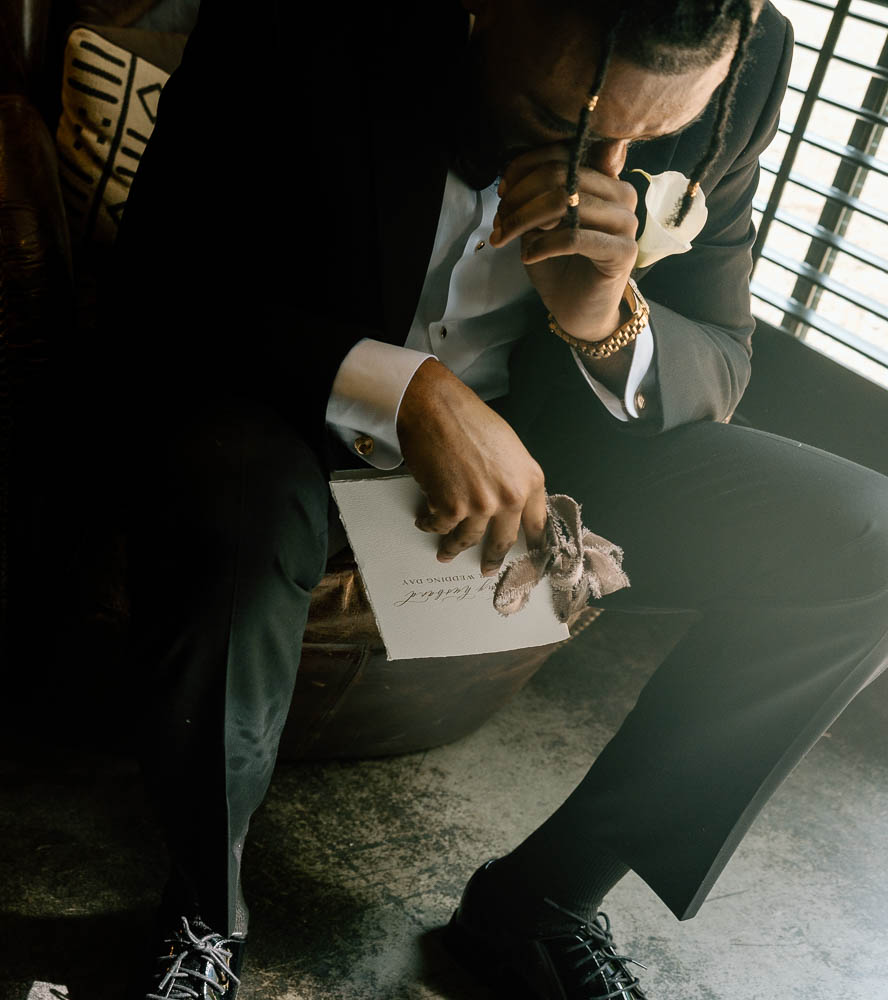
{"points": [[364, 445]]}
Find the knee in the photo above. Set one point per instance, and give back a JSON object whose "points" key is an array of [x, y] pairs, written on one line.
{"points": [[856, 536], [241, 491], [282, 522]]}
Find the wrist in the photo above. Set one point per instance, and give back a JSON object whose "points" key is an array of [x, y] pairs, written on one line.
{"points": [[418, 390], [597, 317], [432, 392], [601, 330]]}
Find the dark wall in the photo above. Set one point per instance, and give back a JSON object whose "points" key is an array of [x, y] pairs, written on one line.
{"points": [[801, 394]]}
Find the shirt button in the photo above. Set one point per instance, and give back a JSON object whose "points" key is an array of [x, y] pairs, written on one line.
{"points": [[480, 245], [640, 401], [364, 445]]}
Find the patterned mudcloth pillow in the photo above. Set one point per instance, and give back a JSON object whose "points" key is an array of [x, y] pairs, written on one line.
{"points": [[109, 106]]}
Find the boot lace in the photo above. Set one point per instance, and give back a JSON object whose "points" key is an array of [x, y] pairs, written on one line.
{"points": [[189, 952], [592, 956]]}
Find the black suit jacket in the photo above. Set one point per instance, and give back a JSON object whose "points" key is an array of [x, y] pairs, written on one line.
{"points": [[287, 203]]}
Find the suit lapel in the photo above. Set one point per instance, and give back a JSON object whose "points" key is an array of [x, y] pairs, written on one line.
{"points": [[410, 178], [654, 157], [410, 151]]}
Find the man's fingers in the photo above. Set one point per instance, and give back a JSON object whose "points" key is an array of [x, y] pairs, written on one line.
{"points": [[527, 162], [545, 170], [608, 253], [437, 522], [467, 533], [546, 209], [550, 208], [534, 518], [538, 200], [501, 536]]}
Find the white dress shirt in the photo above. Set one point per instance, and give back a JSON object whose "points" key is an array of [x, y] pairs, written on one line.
{"points": [[471, 311]]}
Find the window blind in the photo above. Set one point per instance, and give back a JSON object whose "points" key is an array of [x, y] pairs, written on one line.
{"points": [[821, 255]]}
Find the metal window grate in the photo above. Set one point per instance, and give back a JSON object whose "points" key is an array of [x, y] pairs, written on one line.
{"points": [[821, 271]]}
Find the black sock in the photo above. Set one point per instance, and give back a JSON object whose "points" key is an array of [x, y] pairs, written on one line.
{"points": [[535, 872]]}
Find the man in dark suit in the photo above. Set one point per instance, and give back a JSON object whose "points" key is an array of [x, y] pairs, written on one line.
{"points": [[315, 228]]}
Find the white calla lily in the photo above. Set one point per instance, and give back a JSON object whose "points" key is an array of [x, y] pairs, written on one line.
{"points": [[659, 239]]}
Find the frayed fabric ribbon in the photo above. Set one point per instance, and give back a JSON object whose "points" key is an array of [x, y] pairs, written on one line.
{"points": [[579, 564]]}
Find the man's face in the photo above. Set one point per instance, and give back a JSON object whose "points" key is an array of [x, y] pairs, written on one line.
{"points": [[530, 73]]}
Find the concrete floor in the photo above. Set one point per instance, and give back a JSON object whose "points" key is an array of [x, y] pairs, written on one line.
{"points": [[353, 867]]}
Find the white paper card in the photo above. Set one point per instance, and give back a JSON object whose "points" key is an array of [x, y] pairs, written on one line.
{"points": [[424, 607]]}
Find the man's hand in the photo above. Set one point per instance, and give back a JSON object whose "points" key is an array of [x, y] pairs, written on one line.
{"points": [[479, 480], [580, 275]]}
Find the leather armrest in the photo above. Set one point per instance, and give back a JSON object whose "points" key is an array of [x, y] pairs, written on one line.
{"points": [[35, 317], [35, 251], [23, 32]]}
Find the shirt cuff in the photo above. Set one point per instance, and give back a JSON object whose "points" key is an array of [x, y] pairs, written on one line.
{"points": [[641, 362], [363, 406]]}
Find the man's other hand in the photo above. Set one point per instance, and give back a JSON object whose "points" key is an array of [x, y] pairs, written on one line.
{"points": [[580, 274], [480, 482]]}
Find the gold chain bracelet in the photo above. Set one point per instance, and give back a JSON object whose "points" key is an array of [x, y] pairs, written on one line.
{"points": [[620, 338]]}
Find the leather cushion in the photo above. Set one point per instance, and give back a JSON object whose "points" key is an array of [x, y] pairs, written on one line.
{"points": [[111, 84]]}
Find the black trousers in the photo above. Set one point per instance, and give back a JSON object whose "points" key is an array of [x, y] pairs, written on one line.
{"points": [[782, 549]]}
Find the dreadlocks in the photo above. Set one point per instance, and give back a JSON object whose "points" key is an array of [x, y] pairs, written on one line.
{"points": [[581, 141], [668, 37]]}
